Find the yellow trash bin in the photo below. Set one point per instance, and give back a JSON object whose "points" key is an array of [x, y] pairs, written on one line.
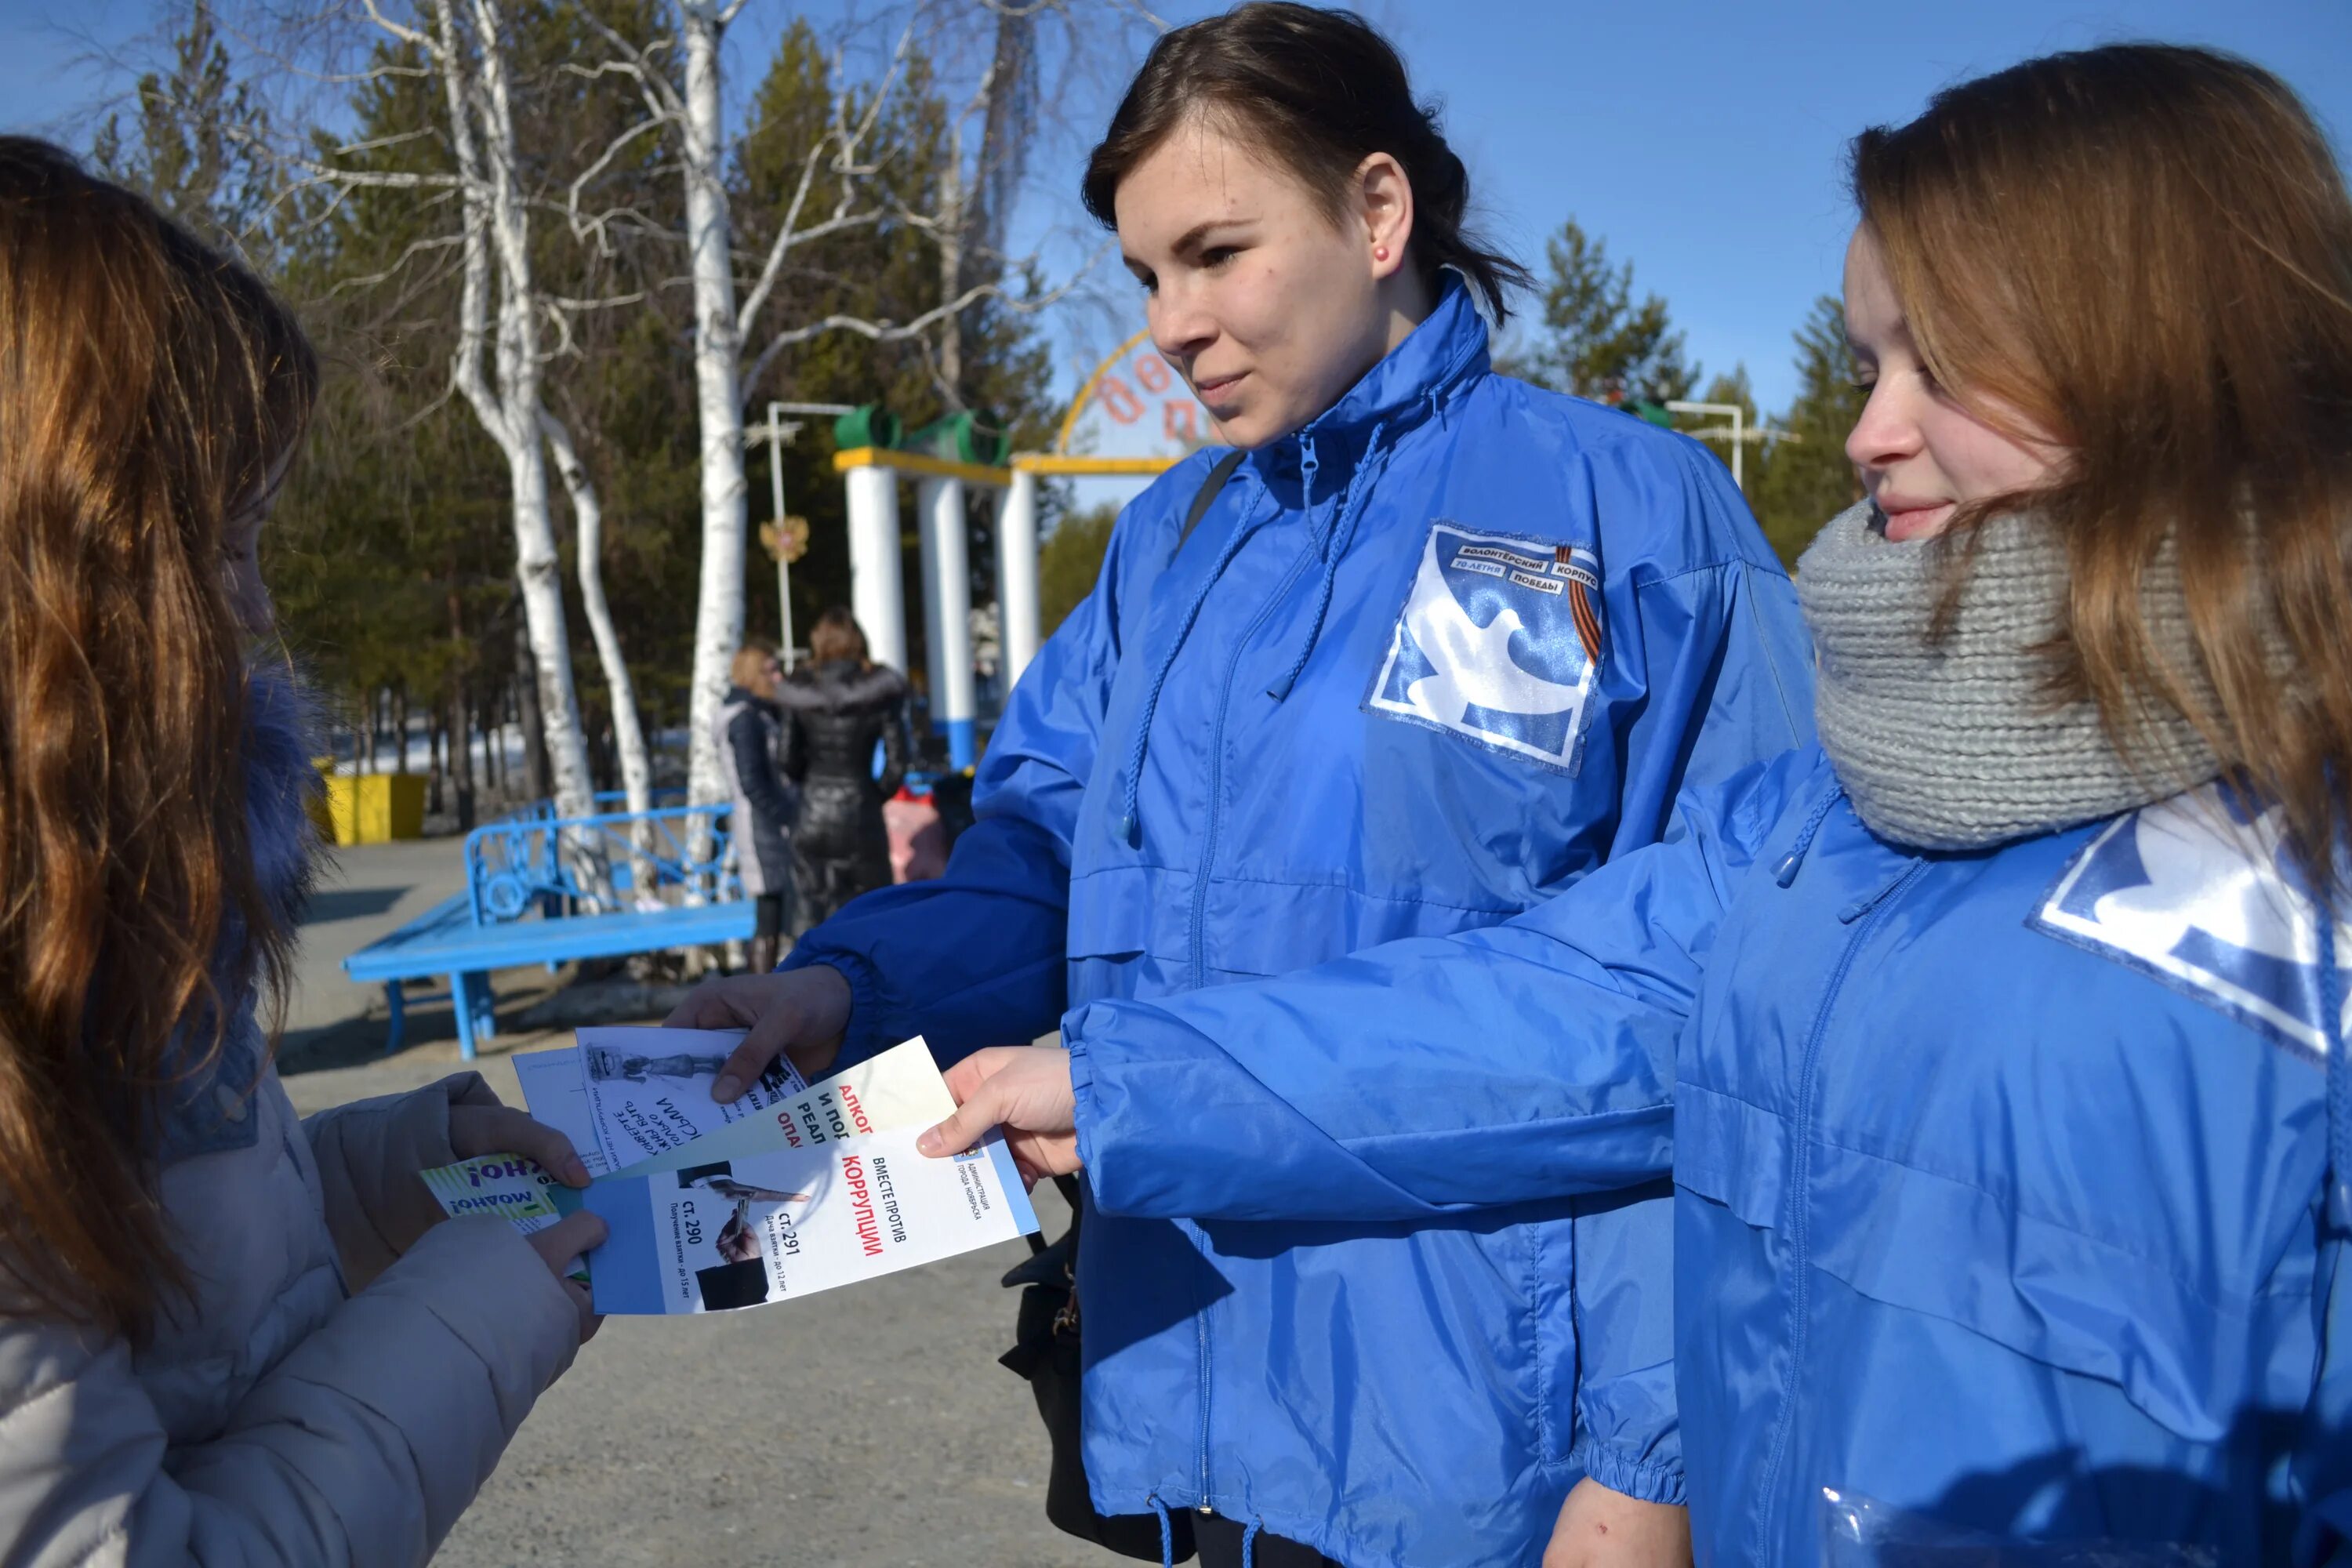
{"points": [[375, 808]]}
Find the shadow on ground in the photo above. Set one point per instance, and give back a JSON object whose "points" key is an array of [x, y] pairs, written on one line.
{"points": [[333, 904]]}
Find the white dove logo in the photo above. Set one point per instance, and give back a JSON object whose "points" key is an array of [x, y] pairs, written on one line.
{"points": [[2199, 880], [1469, 668], [2140, 887], [1475, 668]]}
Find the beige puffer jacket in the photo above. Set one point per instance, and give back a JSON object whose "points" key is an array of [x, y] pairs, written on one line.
{"points": [[348, 1374]]}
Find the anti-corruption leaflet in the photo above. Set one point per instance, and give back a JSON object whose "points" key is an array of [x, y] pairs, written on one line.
{"points": [[645, 1090], [899, 1088], [757, 1228]]}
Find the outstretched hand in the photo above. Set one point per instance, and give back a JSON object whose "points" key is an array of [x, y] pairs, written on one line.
{"points": [[1025, 1090], [800, 1013]]}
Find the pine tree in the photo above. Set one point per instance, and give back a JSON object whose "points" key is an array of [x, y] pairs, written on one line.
{"points": [[193, 153], [1601, 344], [1807, 480], [888, 271]]}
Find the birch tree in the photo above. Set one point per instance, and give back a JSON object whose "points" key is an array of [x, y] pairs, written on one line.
{"points": [[688, 111], [501, 353], [683, 103], [588, 517]]}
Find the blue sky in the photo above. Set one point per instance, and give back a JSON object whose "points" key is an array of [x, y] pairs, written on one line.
{"points": [[1703, 141]]}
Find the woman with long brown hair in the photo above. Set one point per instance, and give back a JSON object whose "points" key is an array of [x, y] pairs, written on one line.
{"points": [[225, 1334], [837, 708], [2004, 1032]]}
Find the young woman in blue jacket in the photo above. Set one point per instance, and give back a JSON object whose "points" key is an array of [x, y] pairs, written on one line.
{"points": [[1443, 644], [2004, 1031]]}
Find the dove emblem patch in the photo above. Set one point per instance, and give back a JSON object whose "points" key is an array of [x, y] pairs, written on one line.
{"points": [[1499, 640], [2198, 892]]}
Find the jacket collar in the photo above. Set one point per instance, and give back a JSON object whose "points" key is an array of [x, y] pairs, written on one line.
{"points": [[743, 694], [1438, 358]]}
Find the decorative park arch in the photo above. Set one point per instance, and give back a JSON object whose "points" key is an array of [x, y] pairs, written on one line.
{"points": [[1134, 416]]}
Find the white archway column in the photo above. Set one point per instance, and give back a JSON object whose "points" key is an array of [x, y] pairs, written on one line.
{"points": [[947, 615], [878, 593], [1016, 577]]}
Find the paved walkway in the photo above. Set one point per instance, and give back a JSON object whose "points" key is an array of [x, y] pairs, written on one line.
{"points": [[370, 890]]}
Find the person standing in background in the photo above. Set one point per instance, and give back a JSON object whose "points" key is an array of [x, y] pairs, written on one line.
{"points": [[836, 709], [749, 726]]}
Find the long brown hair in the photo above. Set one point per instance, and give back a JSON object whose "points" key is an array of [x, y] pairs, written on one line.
{"points": [[1318, 92], [837, 636], [148, 388], [2145, 252]]}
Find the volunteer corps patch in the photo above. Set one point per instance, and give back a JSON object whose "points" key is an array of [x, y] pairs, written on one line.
{"points": [[2195, 891], [1499, 640]]}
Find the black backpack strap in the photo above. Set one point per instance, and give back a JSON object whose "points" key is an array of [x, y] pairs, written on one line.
{"points": [[1207, 495]]}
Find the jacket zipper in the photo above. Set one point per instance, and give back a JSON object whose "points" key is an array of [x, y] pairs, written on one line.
{"points": [[1199, 912], [1800, 1165]]}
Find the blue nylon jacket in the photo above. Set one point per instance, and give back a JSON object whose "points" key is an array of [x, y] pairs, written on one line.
{"points": [[1998, 1176], [1362, 703]]}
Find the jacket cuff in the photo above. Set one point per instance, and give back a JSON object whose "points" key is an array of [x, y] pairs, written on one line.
{"points": [[1082, 1097], [369, 1154], [859, 1035], [1644, 1480]]}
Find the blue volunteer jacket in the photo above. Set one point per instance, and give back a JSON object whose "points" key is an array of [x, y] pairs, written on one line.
{"points": [[1421, 667], [1998, 1176]]}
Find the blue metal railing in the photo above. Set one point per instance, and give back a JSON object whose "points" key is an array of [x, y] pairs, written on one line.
{"points": [[544, 810], [535, 858]]}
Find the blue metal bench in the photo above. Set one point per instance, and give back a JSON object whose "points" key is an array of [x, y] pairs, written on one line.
{"points": [[547, 890]]}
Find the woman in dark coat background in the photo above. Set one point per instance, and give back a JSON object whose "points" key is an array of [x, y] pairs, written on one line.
{"points": [[749, 730], [835, 708]]}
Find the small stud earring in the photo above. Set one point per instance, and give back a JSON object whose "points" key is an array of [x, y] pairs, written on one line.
{"points": [[1380, 253]]}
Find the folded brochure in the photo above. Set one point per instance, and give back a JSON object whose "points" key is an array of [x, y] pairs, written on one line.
{"points": [[824, 1189], [757, 1228], [621, 1094]]}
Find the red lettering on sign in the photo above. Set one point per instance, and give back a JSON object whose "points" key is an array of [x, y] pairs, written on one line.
{"points": [[1176, 421], [1118, 400], [1152, 371]]}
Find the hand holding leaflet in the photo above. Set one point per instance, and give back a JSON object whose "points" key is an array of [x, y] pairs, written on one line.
{"points": [[900, 1087], [1025, 1090], [479, 1129], [649, 1089]]}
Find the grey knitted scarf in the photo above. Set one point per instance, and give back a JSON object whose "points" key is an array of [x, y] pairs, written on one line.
{"points": [[1953, 744]]}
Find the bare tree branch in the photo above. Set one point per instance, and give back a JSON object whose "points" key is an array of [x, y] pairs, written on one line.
{"points": [[846, 162], [898, 332]]}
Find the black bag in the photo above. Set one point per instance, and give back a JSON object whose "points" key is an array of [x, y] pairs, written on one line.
{"points": [[1045, 1351], [1045, 1334]]}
